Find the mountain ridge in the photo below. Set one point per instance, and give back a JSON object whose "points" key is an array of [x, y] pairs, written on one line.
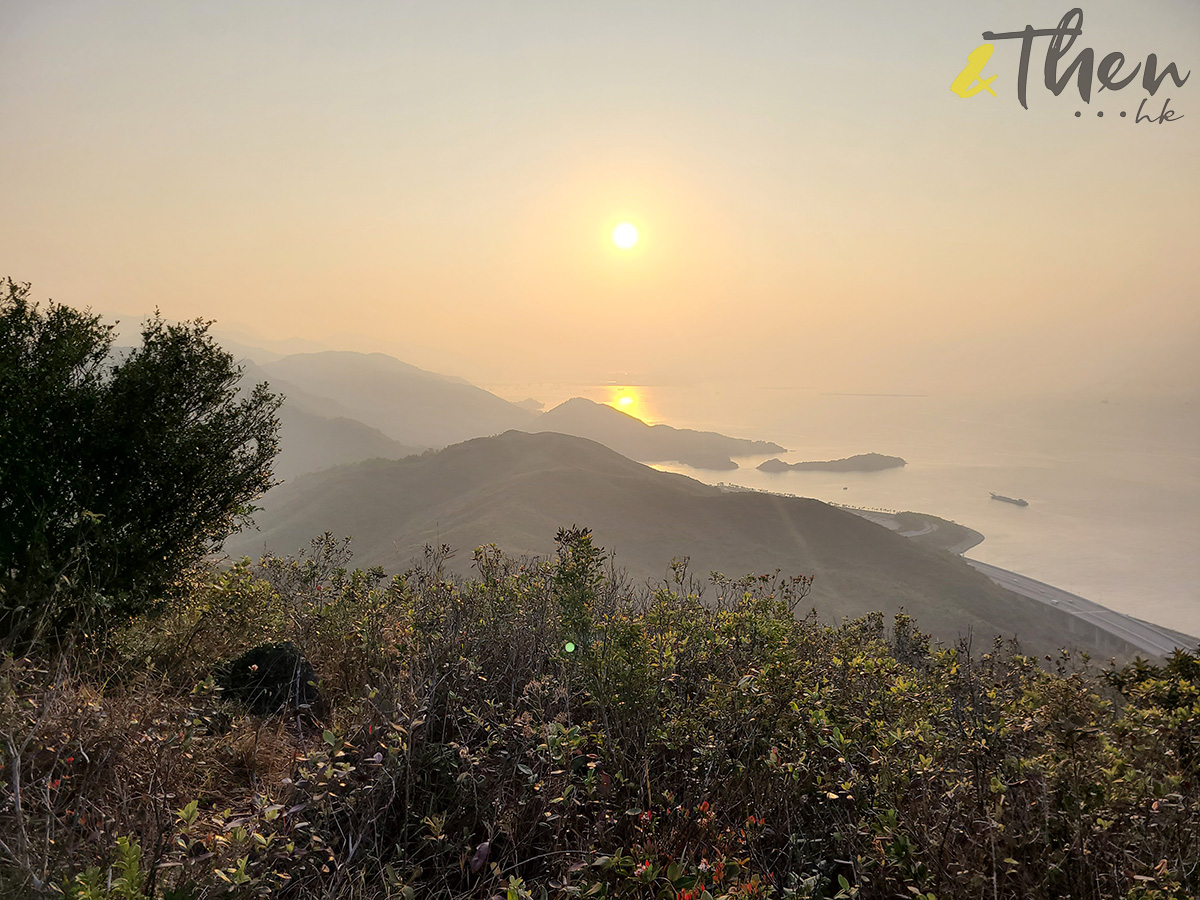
{"points": [[517, 489], [407, 403]]}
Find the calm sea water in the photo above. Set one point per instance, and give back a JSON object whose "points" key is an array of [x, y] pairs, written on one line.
{"points": [[1113, 484]]}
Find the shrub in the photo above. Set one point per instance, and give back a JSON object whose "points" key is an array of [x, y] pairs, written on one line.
{"points": [[692, 749], [118, 471]]}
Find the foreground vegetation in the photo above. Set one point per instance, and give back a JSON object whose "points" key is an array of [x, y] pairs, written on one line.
{"points": [[542, 730]]}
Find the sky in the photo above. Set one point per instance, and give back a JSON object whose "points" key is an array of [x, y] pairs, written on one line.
{"points": [[440, 181]]}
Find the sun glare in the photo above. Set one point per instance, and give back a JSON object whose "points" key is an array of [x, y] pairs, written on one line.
{"points": [[625, 235], [627, 400]]}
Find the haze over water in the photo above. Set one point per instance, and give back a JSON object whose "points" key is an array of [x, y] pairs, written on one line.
{"points": [[1113, 484]]}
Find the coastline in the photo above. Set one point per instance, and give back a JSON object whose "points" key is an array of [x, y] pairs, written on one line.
{"points": [[1156, 640]]}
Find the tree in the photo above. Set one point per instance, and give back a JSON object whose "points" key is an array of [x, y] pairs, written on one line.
{"points": [[119, 469]]}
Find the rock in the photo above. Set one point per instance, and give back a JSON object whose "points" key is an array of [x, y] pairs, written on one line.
{"points": [[269, 677]]}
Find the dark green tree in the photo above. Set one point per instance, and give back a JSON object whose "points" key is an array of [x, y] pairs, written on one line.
{"points": [[119, 469]]}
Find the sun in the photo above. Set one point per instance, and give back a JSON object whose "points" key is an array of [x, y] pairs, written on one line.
{"points": [[625, 235], [627, 399]]}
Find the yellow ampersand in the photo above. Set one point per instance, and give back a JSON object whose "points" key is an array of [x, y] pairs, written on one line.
{"points": [[964, 85]]}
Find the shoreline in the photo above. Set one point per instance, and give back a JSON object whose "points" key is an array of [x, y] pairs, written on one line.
{"points": [[934, 531], [1154, 639], [1157, 640]]}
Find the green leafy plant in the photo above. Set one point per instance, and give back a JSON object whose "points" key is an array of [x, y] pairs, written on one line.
{"points": [[120, 469]]}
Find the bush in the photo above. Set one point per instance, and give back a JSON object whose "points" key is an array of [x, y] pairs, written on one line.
{"points": [[118, 471], [692, 748]]}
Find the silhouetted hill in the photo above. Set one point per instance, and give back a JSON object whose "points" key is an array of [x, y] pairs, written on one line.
{"points": [[407, 404], [632, 437], [316, 432], [309, 442], [425, 409], [516, 490], [296, 396]]}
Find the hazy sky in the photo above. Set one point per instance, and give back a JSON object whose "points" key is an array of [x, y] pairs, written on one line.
{"points": [[440, 181]]}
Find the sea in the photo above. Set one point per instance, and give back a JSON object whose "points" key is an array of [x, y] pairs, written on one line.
{"points": [[1112, 482]]}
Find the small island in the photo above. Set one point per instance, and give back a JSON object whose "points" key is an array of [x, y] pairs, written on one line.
{"points": [[712, 461], [862, 462]]}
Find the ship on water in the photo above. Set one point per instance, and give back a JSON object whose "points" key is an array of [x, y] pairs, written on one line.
{"points": [[1016, 501]]}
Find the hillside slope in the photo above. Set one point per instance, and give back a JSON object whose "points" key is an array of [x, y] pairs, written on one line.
{"points": [[309, 442], [517, 489], [407, 404], [317, 432]]}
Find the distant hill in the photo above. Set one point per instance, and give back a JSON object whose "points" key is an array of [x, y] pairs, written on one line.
{"points": [[862, 462], [410, 405], [517, 489], [418, 409], [297, 397], [633, 438], [309, 442], [316, 433]]}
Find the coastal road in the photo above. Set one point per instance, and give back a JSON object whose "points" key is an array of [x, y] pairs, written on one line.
{"points": [[1152, 639], [1145, 636]]}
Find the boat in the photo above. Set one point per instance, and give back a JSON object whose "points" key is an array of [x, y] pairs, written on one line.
{"points": [[1016, 501]]}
